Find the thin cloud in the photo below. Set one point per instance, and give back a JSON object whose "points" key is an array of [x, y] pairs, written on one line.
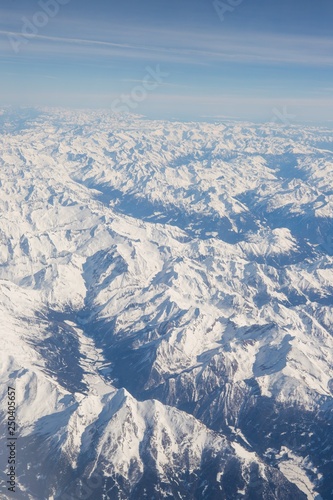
{"points": [[163, 84], [203, 49]]}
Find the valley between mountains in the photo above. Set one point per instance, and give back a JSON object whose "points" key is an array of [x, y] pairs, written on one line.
{"points": [[166, 307]]}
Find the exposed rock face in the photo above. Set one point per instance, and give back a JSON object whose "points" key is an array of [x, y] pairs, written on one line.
{"points": [[166, 304]]}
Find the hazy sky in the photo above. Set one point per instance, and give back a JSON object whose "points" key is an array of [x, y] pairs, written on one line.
{"points": [[248, 59]]}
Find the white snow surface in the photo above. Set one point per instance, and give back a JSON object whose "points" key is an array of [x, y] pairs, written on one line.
{"points": [[90, 225]]}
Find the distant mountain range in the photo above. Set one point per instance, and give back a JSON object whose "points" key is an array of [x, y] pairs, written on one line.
{"points": [[167, 307]]}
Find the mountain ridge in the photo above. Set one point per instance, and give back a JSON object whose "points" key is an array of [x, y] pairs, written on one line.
{"points": [[168, 276]]}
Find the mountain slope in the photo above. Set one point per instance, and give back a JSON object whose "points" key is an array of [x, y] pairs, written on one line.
{"points": [[168, 291]]}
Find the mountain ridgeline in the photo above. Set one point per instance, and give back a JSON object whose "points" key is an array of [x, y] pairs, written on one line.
{"points": [[166, 304]]}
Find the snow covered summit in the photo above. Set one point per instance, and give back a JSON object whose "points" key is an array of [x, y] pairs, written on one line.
{"points": [[166, 304]]}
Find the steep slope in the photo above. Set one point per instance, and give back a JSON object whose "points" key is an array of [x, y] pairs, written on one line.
{"points": [[168, 291]]}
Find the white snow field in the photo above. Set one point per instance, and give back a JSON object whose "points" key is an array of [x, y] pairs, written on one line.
{"points": [[166, 307]]}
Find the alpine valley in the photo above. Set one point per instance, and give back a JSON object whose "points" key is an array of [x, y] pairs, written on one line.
{"points": [[166, 307]]}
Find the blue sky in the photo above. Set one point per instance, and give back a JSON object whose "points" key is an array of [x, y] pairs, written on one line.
{"points": [[242, 59]]}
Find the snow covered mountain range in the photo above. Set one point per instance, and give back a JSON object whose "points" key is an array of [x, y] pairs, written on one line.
{"points": [[166, 307]]}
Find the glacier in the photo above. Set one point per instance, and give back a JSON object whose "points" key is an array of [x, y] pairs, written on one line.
{"points": [[166, 304]]}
